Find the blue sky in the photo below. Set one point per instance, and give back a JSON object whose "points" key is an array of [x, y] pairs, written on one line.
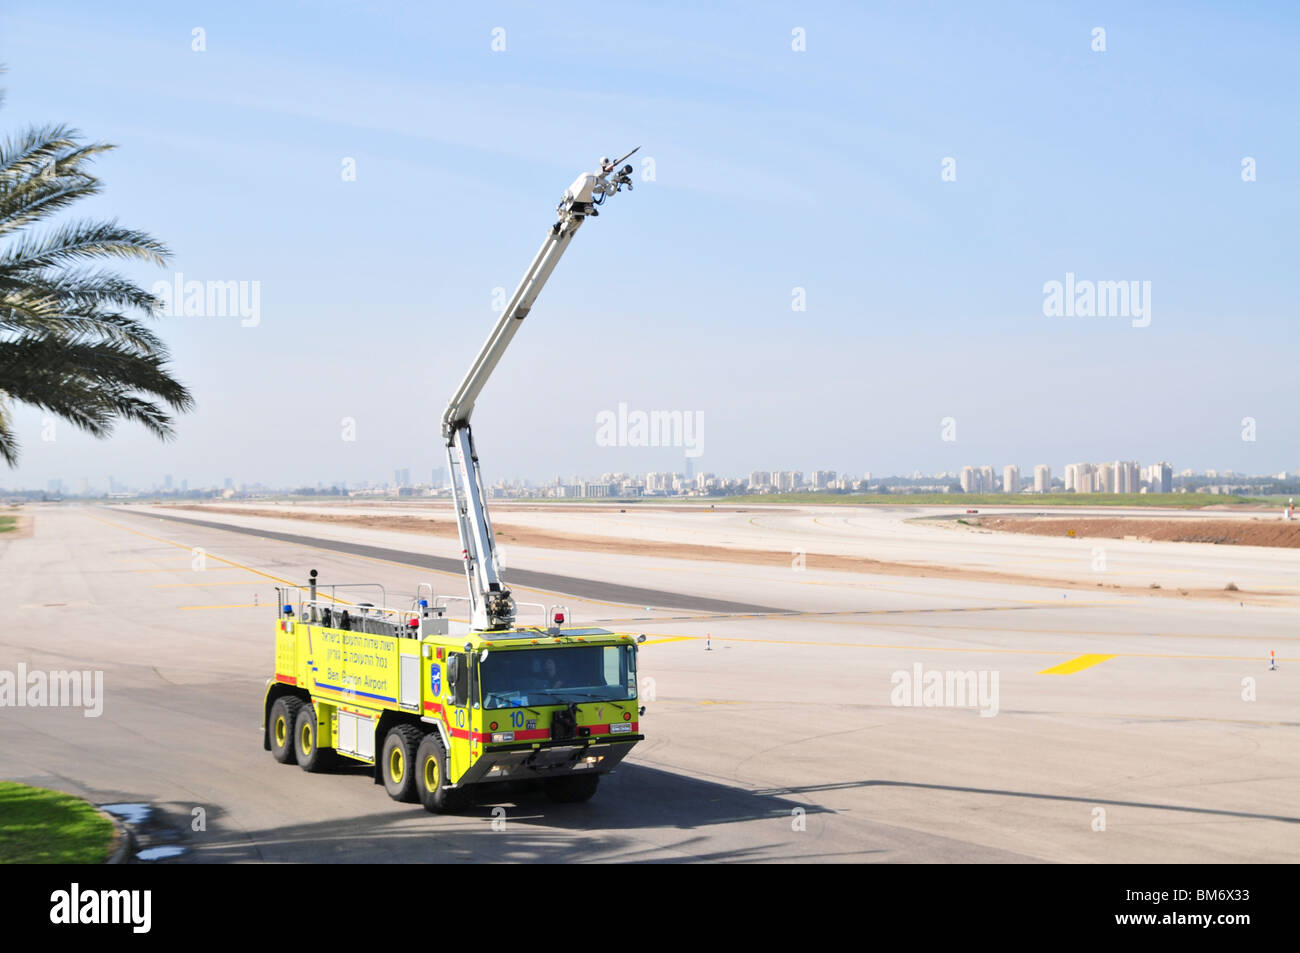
{"points": [[774, 169]]}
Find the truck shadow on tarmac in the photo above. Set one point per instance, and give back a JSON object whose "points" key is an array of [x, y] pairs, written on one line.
{"points": [[999, 792], [518, 822]]}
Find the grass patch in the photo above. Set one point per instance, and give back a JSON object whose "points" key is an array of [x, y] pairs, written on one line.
{"points": [[48, 827], [7, 523]]}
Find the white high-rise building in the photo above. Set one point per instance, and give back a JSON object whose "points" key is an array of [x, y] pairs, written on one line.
{"points": [[1105, 478], [987, 484], [1042, 478], [1011, 479], [1160, 476], [1128, 476]]}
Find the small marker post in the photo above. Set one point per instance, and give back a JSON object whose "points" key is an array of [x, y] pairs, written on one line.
{"points": [[1272, 661], [707, 643]]}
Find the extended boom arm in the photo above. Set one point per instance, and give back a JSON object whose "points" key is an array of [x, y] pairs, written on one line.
{"points": [[492, 605]]}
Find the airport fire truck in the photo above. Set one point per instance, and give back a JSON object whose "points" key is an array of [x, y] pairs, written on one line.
{"points": [[437, 711]]}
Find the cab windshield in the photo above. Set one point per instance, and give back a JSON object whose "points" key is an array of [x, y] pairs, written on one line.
{"points": [[524, 677]]}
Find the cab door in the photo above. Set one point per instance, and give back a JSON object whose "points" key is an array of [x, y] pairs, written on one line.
{"points": [[460, 690]]}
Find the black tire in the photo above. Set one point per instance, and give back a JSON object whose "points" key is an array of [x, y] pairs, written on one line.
{"points": [[431, 777], [398, 762], [572, 788], [310, 755], [284, 716]]}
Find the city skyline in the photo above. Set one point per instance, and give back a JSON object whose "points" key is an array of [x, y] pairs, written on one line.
{"points": [[1103, 477]]}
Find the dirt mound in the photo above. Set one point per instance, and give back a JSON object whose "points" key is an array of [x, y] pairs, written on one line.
{"points": [[1241, 532]]}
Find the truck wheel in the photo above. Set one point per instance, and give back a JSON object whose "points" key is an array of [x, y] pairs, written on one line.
{"points": [[572, 788], [284, 715], [398, 762], [431, 776], [311, 757]]}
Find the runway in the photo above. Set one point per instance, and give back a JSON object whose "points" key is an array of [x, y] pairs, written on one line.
{"points": [[1123, 728]]}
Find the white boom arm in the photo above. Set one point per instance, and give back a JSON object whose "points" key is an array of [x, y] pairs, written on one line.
{"points": [[492, 605]]}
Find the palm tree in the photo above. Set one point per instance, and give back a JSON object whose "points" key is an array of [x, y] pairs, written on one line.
{"points": [[68, 341]]}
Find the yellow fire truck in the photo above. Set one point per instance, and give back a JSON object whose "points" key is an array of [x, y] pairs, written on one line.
{"points": [[438, 712]]}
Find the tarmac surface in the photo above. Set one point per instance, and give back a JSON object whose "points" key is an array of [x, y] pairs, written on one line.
{"points": [[1114, 728]]}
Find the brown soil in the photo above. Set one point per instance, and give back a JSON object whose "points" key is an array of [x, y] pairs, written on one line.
{"points": [[543, 539], [1243, 532]]}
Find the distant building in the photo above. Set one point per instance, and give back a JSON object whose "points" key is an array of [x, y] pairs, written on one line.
{"points": [[1160, 477], [1105, 482], [1128, 476], [1011, 479], [987, 483], [972, 481], [1042, 478]]}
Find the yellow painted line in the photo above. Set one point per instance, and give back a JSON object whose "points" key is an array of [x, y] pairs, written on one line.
{"points": [[185, 585], [671, 638], [229, 562], [245, 605], [1076, 665], [979, 651], [370, 559], [186, 569]]}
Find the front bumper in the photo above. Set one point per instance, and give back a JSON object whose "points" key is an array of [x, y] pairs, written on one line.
{"points": [[547, 759]]}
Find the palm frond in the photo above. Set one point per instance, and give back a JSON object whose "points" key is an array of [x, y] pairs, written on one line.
{"points": [[71, 342], [79, 240], [8, 439], [91, 384]]}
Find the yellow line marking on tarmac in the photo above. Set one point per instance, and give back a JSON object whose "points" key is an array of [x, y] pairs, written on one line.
{"points": [[373, 559], [1076, 665], [183, 585], [242, 605], [671, 638], [976, 651], [220, 559], [186, 569]]}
